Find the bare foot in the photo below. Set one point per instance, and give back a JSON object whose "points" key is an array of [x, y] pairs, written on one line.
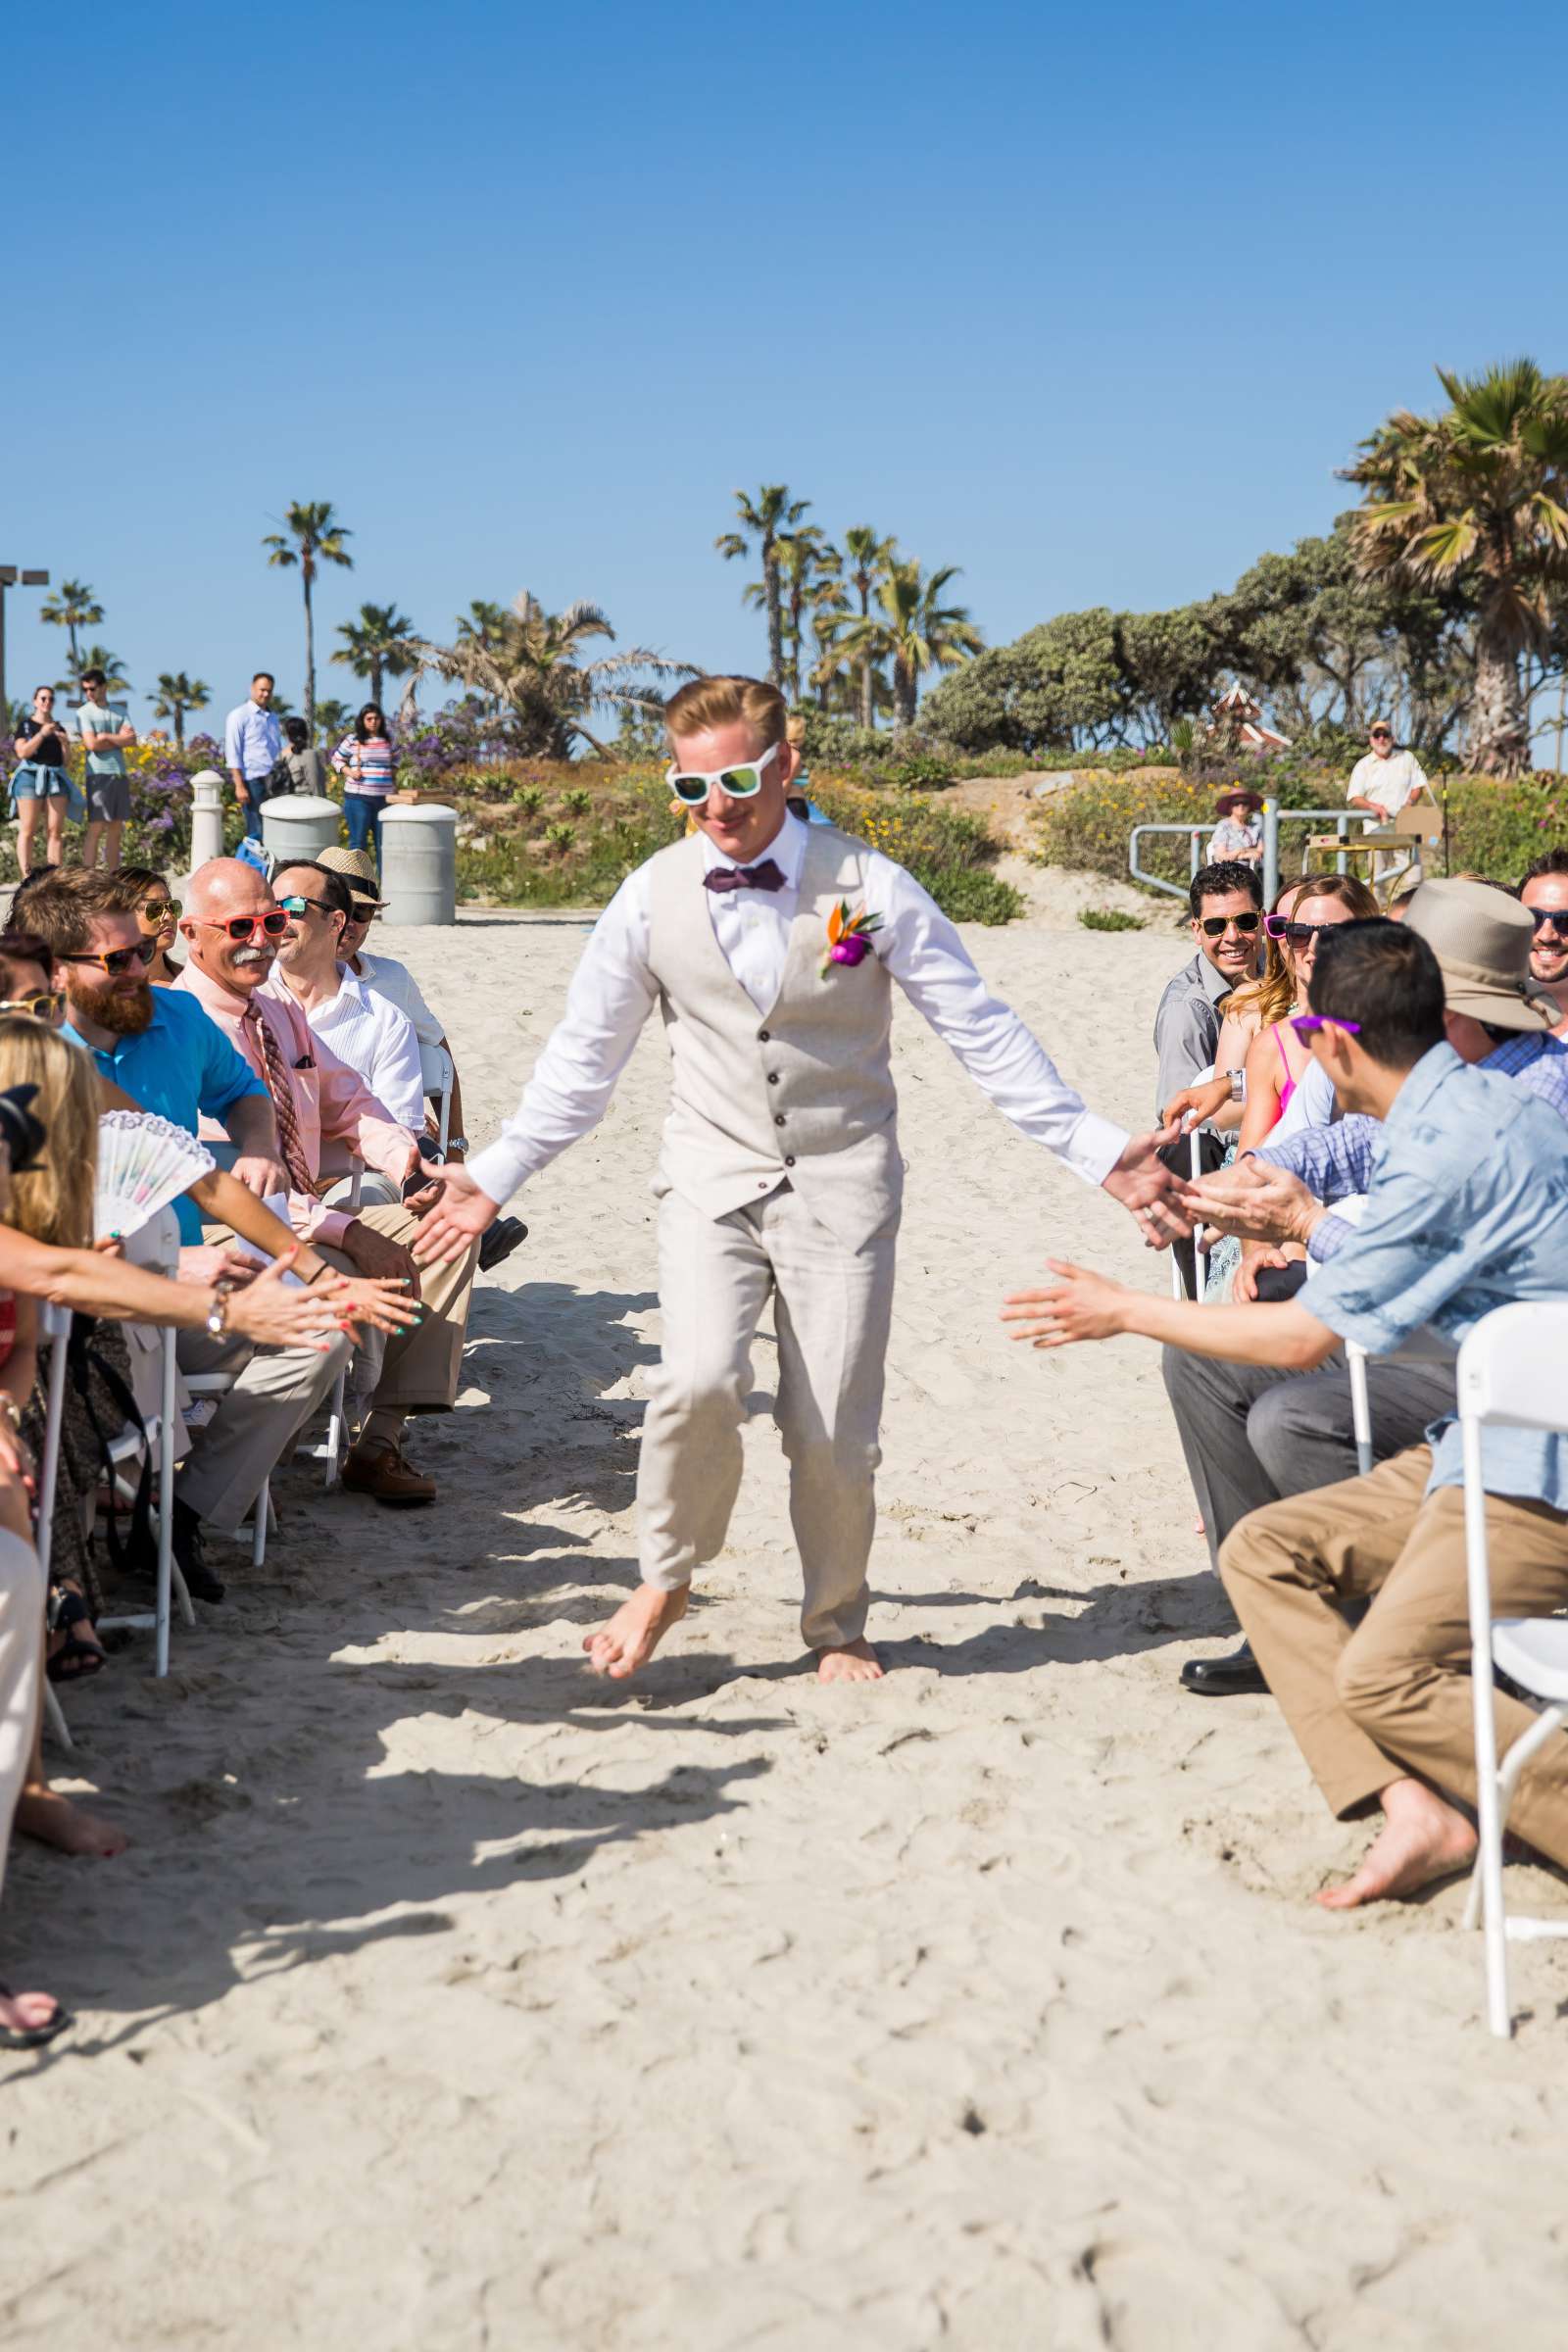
{"points": [[1422, 1839], [27, 2012], [635, 1632], [849, 1662], [43, 1813]]}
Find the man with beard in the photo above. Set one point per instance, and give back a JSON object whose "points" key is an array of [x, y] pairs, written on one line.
{"points": [[1544, 892], [159, 1047]]}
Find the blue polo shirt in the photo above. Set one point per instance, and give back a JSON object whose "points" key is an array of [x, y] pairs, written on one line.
{"points": [[179, 1067]]}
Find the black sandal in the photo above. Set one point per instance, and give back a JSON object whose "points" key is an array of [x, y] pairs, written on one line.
{"points": [[32, 2037], [76, 1659]]}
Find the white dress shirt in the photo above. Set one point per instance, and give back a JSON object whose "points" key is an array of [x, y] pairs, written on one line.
{"points": [[1390, 783], [253, 742], [612, 993], [376, 1040], [395, 982]]}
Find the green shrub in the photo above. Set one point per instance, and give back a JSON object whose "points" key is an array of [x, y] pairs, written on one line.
{"points": [[577, 802], [529, 797], [916, 771], [1109, 918], [561, 837]]}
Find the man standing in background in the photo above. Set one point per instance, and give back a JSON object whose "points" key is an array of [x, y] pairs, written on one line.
{"points": [[1383, 781], [253, 744], [106, 730]]}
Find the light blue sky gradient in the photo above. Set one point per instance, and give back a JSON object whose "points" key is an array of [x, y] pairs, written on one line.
{"points": [[1089, 301]]}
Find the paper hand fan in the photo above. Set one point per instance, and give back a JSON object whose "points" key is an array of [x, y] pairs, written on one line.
{"points": [[143, 1163]]}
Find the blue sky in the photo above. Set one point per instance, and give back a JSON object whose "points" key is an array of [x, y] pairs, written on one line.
{"points": [[1089, 301]]}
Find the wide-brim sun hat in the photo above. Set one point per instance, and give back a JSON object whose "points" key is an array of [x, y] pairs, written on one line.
{"points": [[1481, 938], [1239, 799], [358, 869]]}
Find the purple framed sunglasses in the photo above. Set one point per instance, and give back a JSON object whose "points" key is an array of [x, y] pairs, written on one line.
{"points": [[1307, 1024]]}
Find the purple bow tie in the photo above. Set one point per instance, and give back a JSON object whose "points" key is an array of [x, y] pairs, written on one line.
{"points": [[766, 876]]}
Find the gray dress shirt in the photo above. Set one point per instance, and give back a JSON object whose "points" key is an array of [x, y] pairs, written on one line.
{"points": [[1187, 1025]]}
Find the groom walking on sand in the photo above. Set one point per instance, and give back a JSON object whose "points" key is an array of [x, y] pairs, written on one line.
{"points": [[770, 948]]}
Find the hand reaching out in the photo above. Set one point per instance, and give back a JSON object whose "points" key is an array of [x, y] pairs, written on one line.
{"points": [[1142, 1183], [1083, 1305]]}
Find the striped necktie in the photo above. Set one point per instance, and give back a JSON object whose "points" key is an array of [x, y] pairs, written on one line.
{"points": [[289, 1138]]}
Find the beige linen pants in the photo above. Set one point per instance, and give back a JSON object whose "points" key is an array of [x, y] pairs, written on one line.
{"points": [[276, 1391], [1393, 1696], [832, 1308], [21, 1598], [422, 1366]]}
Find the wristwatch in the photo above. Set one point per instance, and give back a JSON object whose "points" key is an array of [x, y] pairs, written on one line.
{"points": [[218, 1316], [1237, 1085], [456, 1143]]}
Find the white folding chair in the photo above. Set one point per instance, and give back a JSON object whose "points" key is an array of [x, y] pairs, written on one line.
{"points": [[1360, 1406], [1510, 1375], [170, 1584], [438, 1073], [330, 1450], [54, 1324], [218, 1385]]}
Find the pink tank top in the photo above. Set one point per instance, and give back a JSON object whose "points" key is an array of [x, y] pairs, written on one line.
{"points": [[1287, 1082]]}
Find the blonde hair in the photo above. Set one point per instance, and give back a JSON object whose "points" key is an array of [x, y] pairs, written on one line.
{"points": [[709, 703], [53, 1203], [1272, 994], [794, 730]]}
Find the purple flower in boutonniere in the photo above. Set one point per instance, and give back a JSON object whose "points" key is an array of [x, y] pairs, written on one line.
{"points": [[849, 936]]}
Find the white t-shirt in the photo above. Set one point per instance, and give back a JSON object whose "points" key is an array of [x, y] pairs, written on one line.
{"points": [[1390, 783]]}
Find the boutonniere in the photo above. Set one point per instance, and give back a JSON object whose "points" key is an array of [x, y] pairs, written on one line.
{"points": [[849, 936]]}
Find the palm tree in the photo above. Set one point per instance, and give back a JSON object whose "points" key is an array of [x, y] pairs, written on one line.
{"points": [[829, 612], [866, 559], [318, 538], [333, 719], [532, 666], [375, 645], [96, 656], [766, 519], [73, 606], [914, 631], [177, 694], [805, 560], [1478, 498]]}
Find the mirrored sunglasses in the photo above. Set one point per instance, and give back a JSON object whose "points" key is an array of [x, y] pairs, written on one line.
{"points": [[118, 960], [742, 783], [1215, 924], [158, 910]]}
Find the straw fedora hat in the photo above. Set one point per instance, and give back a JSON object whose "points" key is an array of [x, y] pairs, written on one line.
{"points": [[358, 869], [1481, 938]]}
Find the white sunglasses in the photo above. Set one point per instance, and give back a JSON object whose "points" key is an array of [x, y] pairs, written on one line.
{"points": [[743, 782]]}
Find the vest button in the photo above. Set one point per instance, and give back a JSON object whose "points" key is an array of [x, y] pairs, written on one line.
{"points": [[778, 1118], [788, 1159], [764, 1036], [772, 1077]]}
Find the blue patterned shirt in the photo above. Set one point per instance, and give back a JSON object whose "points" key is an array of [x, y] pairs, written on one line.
{"points": [[1467, 1210], [1335, 1161]]}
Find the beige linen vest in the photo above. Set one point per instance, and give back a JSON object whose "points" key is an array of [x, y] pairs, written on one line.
{"points": [[802, 1093]]}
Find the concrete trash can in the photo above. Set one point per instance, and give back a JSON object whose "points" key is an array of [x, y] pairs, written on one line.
{"points": [[300, 824], [419, 864]]}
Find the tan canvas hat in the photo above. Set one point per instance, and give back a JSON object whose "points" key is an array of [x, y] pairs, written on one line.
{"points": [[1481, 938], [358, 869]]}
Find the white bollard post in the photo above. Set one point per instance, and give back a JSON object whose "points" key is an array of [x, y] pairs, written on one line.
{"points": [[205, 817]]}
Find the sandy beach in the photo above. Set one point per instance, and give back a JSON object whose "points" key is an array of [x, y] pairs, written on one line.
{"points": [[450, 1998]]}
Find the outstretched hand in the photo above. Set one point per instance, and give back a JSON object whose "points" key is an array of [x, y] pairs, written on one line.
{"points": [[450, 1229], [1255, 1202], [1142, 1183], [1083, 1305]]}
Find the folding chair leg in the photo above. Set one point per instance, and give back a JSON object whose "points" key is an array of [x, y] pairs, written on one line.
{"points": [[334, 1429], [181, 1593], [262, 1514], [54, 1716]]}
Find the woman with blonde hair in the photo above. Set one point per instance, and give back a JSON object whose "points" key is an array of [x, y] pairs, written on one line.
{"points": [[1276, 1059]]}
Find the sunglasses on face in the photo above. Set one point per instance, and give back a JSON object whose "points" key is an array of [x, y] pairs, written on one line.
{"points": [[43, 1007], [241, 928], [1553, 919], [1307, 1024], [1215, 924], [158, 910], [1295, 935], [742, 783], [117, 960], [295, 905], [1381, 735]]}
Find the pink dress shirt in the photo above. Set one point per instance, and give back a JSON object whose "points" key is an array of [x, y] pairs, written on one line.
{"points": [[331, 1102]]}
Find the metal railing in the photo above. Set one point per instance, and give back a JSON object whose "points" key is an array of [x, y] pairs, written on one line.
{"points": [[1342, 819]]}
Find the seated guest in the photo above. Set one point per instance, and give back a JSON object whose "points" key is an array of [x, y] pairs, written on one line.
{"points": [[231, 927], [157, 910], [27, 980], [360, 1026], [161, 1051], [1467, 1210], [1225, 904], [1251, 1434], [302, 768], [1543, 891], [1238, 835], [391, 979]]}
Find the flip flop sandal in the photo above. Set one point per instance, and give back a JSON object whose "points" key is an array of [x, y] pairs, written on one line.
{"points": [[32, 2037], [76, 1659]]}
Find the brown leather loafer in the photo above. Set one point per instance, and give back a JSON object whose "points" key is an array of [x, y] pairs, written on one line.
{"points": [[386, 1474]]}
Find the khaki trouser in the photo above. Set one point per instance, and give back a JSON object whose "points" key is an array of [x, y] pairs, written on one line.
{"points": [[423, 1364], [274, 1393], [21, 1598], [832, 1308], [1393, 1696]]}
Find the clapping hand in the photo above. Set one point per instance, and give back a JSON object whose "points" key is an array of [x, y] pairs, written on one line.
{"points": [[1255, 1202]]}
